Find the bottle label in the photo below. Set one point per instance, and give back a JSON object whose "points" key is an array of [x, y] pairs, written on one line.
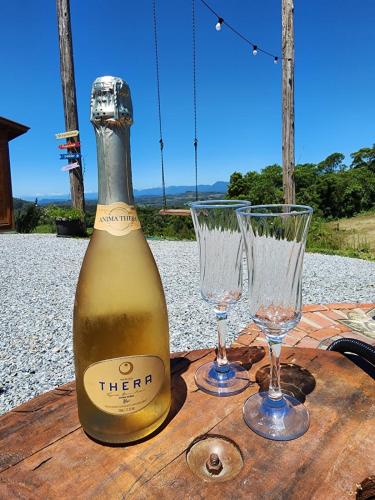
{"points": [[122, 386], [117, 218]]}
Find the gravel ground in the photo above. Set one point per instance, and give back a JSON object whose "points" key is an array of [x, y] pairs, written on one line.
{"points": [[38, 276]]}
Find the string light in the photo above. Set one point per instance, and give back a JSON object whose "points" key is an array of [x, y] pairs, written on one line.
{"points": [[255, 48], [220, 21]]}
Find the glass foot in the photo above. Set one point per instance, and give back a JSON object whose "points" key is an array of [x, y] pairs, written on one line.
{"points": [[219, 382], [281, 420]]}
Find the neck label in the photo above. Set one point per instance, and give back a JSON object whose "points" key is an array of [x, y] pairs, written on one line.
{"points": [[117, 218]]}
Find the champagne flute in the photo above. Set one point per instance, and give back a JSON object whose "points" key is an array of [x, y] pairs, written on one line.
{"points": [[220, 255], [275, 238]]}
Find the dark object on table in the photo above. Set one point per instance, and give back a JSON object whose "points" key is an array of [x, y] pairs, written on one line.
{"points": [[213, 457], [366, 490], [70, 228], [362, 354], [295, 380]]}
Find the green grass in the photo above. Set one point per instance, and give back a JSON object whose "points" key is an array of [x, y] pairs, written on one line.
{"points": [[348, 252], [354, 237], [358, 230], [45, 228]]}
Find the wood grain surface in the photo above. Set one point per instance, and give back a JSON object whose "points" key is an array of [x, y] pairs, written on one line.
{"points": [[44, 453]]}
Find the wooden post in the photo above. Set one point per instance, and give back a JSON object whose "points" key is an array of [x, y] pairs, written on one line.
{"points": [[69, 96], [6, 199], [288, 100]]}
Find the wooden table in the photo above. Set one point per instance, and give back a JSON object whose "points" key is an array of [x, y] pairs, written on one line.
{"points": [[44, 452]]}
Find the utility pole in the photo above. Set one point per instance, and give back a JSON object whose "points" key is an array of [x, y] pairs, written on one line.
{"points": [[69, 97], [288, 100]]}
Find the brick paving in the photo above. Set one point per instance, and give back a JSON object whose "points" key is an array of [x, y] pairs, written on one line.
{"points": [[320, 325]]}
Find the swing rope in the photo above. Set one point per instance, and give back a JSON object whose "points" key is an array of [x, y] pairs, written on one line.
{"points": [[195, 100], [161, 142]]}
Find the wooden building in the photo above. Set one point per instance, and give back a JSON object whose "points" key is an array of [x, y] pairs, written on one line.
{"points": [[9, 130]]}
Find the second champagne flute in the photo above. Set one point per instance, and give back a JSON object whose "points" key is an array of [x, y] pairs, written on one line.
{"points": [[275, 239], [220, 255]]}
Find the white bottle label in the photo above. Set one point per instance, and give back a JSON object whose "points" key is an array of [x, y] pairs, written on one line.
{"points": [[122, 386]]}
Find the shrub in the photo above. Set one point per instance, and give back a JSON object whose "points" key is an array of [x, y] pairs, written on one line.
{"points": [[63, 213], [27, 218]]}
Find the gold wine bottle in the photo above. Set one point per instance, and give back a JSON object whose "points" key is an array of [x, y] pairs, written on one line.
{"points": [[120, 327]]}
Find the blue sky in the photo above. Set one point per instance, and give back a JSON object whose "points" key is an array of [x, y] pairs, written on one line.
{"points": [[239, 95]]}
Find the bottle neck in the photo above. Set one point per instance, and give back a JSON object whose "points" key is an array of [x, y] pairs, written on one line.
{"points": [[114, 164]]}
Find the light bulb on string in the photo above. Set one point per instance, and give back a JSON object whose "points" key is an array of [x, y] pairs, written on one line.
{"points": [[255, 50], [275, 60], [219, 23]]}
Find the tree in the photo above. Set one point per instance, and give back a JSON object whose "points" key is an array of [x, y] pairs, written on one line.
{"points": [[332, 163], [331, 188], [306, 176], [237, 185], [267, 187], [364, 157]]}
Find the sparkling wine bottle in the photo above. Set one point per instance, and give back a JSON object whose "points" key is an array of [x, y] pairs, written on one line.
{"points": [[120, 327]]}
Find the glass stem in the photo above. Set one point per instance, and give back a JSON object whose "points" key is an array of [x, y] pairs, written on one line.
{"points": [[221, 358], [274, 344]]}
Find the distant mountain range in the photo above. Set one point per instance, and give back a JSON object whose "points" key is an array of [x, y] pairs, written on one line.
{"points": [[217, 187]]}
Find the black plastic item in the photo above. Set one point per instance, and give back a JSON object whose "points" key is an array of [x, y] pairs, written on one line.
{"points": [[362, 354], [68, 228]]}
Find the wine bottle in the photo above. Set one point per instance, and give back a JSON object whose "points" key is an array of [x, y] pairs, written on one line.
{"points": [[120, 326]]}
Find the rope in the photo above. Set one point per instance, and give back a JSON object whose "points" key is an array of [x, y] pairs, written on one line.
{"points": [[195, 102], [161, 142]]}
